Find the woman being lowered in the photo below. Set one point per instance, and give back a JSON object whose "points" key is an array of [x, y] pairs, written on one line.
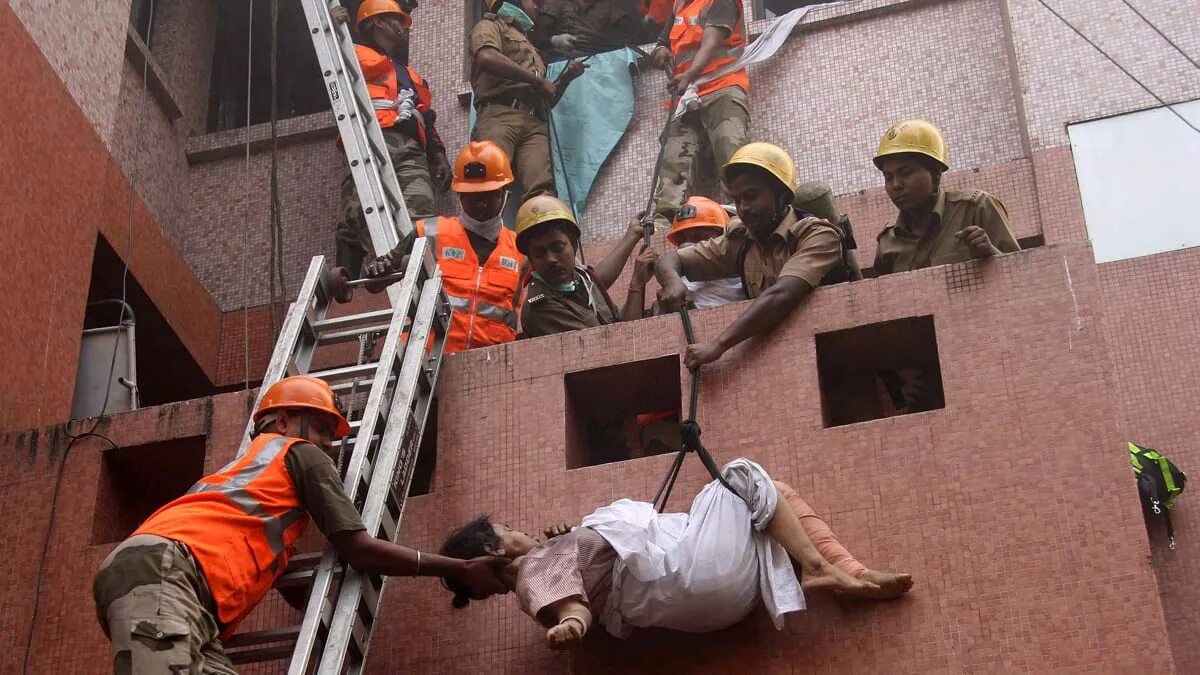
{"points": [[628, 566]]}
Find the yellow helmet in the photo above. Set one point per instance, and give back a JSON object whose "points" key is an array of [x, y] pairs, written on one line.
{"points": [[913, 136], [540, 210], [768, 156]]}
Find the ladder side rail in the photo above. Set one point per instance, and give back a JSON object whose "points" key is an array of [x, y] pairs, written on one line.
{"points": [[400, 426], [409, 452], [289, 336], [373, 178], [308, 642]]}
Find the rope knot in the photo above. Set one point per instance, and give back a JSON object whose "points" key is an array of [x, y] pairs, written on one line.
{"points": [[690, 430]]}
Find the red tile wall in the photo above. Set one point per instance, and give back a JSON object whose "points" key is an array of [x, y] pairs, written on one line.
{"points": [[61, 188], [1015, 572], [1151, 322]]}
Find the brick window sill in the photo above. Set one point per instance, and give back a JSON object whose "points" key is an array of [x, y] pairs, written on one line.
{"points": [[232, 142], [138, 54]]}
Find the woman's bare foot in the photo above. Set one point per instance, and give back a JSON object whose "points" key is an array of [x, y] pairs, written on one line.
{"points": [[891, 585], [830, 578]]}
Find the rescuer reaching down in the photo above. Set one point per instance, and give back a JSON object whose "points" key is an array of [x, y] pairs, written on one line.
{"points": [[197, 566], [701, 219], [563, 295], [700, 571], [779, 255]]}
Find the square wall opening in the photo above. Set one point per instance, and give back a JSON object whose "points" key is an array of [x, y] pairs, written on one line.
{"points": [[879, 370], [135, 481], [622, 412]]}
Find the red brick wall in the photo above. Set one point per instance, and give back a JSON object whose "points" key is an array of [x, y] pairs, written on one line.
{"points": [[1014, 572], [60, 188], [1152, 320]]}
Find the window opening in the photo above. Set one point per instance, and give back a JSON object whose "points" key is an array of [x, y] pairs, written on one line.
{"points": [[879, 370], [301, 87], [622, 412], [136, 481]]}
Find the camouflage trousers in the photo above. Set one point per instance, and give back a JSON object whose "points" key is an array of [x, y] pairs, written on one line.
{"points": [[723, 121], [152, 603], [416, 184]]}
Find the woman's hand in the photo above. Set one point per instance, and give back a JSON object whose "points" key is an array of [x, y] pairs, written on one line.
{"points": [[567, 633]]}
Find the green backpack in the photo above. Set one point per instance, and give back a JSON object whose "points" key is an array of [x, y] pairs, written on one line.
{"points": [[1159, 481]]}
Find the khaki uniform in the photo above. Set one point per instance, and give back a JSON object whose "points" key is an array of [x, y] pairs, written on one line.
{"points": [[722, 120], [413, 174], [547, 311], [808, 249], [152, 599], [512, 114], [903, 250]]}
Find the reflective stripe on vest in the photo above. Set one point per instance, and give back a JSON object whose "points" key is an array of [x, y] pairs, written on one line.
{"points": [[384, 89], [686, 34], [240, 524], [483, 296]]}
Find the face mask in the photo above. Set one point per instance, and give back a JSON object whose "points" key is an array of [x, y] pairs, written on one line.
{"points": [[568, 287], [686, 244], [488, 229], [518, 16]]}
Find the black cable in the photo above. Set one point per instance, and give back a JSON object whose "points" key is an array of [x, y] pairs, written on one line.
{"points": [[1161, 34], [1119, 66]]}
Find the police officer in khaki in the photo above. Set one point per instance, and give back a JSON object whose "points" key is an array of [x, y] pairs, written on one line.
{"points": [[779, 257], [512, 95], [934, 226]]}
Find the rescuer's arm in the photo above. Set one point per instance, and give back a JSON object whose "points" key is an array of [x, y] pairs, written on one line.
{"points": [[369, 554], [605, 273], [673, 294], [767, 311], [712, 38], [491, 60], [635, 299]]}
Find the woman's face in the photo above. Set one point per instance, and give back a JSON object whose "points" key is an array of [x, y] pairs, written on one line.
{"points": [[513, 543], [552, 255]]}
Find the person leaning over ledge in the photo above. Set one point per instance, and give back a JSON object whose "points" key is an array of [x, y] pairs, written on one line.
{"points": [[934, 226], [781, 256], [562, 295]]}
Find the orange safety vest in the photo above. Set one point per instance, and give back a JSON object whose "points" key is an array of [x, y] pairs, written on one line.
{"points": [[686, 34], [658, 10], [241, 524], [382, 84], [484, 297]]}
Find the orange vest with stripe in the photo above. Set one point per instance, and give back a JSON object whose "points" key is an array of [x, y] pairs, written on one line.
{"points": [[484, 296], [686, 34], [241, 524], [382, 84], [658, 10]]}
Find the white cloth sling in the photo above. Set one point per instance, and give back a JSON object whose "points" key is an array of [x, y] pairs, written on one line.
{"points": [[700, 571]]}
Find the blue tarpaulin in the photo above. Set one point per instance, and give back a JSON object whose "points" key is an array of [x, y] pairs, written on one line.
{"points": [[586, 125]]}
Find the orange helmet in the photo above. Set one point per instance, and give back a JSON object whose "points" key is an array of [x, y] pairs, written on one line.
{"points": [[698, 212], [481, 167], [303, 391], [370, 8]]}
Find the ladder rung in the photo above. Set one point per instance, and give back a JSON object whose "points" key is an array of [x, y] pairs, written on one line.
{"points": [[262, 637], [345, 372], [302, 561], [379, 318], [273, 653]]}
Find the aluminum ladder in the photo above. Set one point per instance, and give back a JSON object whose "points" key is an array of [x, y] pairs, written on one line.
{"points": [[343, 604]]}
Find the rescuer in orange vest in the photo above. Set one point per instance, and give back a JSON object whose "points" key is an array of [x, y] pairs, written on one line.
{"points": [[478, 256], [403, 105], [168, 594], [700, 38]]}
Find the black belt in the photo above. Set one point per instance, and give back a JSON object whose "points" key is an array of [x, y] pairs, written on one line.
{"points": [[515, 103]]}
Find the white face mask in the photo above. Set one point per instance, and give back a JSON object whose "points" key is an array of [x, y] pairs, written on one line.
{"points": [[488, 229], [685, 245]]}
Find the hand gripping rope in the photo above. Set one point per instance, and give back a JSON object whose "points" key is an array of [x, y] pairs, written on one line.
{"points": [[691, 434]]}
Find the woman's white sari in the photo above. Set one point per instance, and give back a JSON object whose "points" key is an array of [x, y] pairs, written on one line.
{"points": [[698, 571]]}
